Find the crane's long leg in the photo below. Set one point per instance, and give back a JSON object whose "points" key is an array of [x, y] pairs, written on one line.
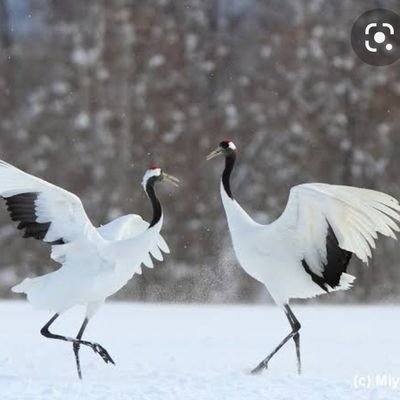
{"points": [[295, 324], [77, 346], [97, 348], [296, 338]]}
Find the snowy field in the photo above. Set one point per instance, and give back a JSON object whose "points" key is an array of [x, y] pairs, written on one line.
{"points": [[176, 352]]}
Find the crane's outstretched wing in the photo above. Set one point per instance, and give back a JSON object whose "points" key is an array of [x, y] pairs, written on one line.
{"points": [[333, 222], [129, 227], [44, 211], [130, 253], [124, 227]]}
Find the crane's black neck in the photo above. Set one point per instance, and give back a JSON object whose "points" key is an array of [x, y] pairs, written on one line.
{"points": [[226, 175], [157, 210]]}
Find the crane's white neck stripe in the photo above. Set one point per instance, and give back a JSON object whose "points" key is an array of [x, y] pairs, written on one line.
{"points": [[149, 174]]}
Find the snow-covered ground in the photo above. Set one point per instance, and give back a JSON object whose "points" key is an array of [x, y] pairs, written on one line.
{"points": [[202, 353]]}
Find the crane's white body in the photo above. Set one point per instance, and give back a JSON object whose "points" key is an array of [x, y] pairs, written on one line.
{"points": [[272, 253], [96, 262]]}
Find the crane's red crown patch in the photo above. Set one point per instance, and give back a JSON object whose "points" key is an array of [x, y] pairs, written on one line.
{"points": [[154, 166]]}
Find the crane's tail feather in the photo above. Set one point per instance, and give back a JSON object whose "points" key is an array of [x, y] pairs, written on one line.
{"points": [[51, 291], [35, 290], [22, 287], [346, 283]]}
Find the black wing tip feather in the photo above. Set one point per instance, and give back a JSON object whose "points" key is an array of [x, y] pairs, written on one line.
{"points": [[22, 208], [336, 264]]}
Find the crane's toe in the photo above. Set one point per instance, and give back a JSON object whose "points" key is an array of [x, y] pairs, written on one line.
{"points": [[99, 349], [260, 367]]}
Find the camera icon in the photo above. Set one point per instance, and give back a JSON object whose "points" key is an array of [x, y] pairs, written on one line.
{"points": [[375, 37], [379, 37]]}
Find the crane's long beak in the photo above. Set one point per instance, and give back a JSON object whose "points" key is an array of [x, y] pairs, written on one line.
{"points": [[214, 153], [171, 179]]}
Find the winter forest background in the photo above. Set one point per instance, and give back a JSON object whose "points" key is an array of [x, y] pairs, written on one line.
{"points": [[91, 92]]}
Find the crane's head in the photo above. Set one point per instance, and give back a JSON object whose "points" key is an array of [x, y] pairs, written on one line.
{"points": [[225, 148], [155, 174]]}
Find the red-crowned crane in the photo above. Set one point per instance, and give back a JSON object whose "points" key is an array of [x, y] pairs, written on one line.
{"points": [[95, 262], [305, 252]]}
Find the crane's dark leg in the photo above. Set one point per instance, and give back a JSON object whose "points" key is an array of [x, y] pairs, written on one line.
{"points": [[97, 348], [77, 346], [295, 324]]}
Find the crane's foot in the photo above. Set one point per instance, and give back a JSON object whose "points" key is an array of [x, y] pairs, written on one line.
{"points": [[99, 349], [260, 367]]}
